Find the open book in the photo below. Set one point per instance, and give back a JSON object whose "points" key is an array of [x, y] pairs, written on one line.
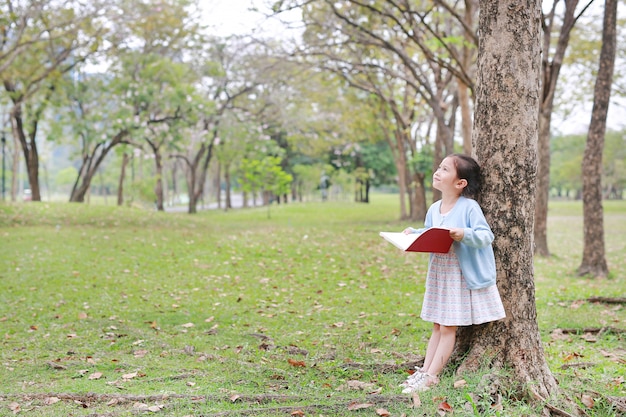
{"points": [[435, 239]]}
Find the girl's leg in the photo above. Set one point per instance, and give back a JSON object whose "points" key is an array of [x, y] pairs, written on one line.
{"points": [[433, 342], [446, 336]]}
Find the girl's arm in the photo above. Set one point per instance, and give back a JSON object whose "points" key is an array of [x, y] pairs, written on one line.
{"points": [[477, 233]]}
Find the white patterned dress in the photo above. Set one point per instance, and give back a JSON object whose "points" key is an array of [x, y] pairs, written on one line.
{"points": [[448, 301]]}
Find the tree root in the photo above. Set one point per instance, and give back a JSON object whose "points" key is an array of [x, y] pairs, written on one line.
{"points": [[553, 410]]}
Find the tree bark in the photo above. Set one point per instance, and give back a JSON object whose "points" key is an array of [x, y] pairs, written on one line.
{"points": [[505, 139], [594, 261], [120, 184], [158, 188]]}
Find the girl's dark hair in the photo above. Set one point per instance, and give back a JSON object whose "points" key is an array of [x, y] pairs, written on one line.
{"points": [[468, 169]]}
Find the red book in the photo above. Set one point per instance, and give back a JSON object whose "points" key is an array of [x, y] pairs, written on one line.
{"points": [[435, 239]]}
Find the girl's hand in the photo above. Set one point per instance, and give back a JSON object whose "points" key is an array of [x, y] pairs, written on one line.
{"points": [[457, 234], [409, 230]]}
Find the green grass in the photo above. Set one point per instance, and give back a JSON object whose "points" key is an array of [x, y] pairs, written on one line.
{"points": [[228, 313]]}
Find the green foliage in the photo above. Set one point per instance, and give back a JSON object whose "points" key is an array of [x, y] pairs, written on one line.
{"points": [[66, 177], [265, 175], [566, 155], [106, 308]]}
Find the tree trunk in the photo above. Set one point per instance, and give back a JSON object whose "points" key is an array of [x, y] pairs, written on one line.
{"points": [[419, 206], [228, 203], [29, 149], [550, 71], [158, 188], [15, 168], [120, 184], [467, 60], [505, 138], [91, 163], [218, 188], [594, 262]]}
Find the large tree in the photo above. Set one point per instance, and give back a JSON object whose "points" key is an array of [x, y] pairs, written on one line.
{"points": [[594, 260], [551, 64], [505, 139], [40, 41]]}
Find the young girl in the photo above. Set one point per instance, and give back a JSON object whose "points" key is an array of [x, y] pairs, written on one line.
{"points": [[461, 284]]}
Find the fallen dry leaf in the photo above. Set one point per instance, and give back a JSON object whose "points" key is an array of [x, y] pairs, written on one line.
{"points": [[359, 406], [460, 383], [444, 406], [298, 413], [417, 402], [95, 375], [382, 412], [15, 407], [587, 400], [129, 376], [51, 400], [234, 398], [296, 363], [140, 353]]}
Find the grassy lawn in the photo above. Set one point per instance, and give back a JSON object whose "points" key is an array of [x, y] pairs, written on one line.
{"points": [[299, 310]]}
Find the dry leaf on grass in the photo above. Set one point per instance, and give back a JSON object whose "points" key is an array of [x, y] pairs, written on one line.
{"points": [[15, 407], [444, 406], [417, 402], [359, 406], [587, 400], [460, 383], [51, 400], [356, 385], [296, 363]]}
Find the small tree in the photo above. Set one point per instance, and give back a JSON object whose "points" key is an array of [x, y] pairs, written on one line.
{"points": [[265, 176]]}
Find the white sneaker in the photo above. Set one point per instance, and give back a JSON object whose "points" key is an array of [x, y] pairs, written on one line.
{"points": [[420, 384], [413, 378]]}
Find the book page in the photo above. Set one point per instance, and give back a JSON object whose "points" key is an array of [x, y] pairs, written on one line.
{"points": [[399, 240]]}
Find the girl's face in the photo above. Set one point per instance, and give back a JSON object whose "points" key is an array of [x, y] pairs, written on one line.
{"points": [[445, 179]]}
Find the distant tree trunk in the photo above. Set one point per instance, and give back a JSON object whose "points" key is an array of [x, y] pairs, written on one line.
{"points": [[120, 184], [228, 203], [399, 157], [174, 198], [550, 71], [419, 206], [91, 162], [15, 169], [218, 188], [158, 188], [505, 139], [594, 262], [29, 149], [467, 59]]}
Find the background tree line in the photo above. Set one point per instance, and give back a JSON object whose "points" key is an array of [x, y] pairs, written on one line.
{"points": [[150, 107]]}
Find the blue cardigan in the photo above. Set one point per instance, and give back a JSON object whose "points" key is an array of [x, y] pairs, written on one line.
{"points": [[474, 251]]}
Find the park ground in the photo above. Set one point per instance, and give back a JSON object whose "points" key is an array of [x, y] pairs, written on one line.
{"points": [[297, 309]]}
